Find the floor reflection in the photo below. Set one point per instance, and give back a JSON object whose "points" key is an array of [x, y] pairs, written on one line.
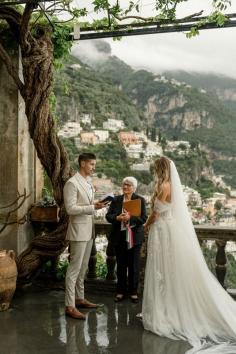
{"points": [[115, 329], [112, 329], [153, 344], [37, 325]]}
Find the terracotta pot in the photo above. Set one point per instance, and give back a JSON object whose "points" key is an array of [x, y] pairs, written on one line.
{"points": [[8, 275], [45, 214]]}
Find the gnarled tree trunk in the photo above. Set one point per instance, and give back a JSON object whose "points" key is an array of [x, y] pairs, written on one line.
{"points": [[37, 63]]}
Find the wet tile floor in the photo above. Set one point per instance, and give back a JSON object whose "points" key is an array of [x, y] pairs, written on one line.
{"points": [[36, 324]]}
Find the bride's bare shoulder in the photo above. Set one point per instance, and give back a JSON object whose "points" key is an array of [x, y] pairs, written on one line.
{"points": [[166, 187], [166, 192]]}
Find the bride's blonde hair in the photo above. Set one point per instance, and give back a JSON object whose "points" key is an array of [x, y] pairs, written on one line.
{"points": [[162, 175]]}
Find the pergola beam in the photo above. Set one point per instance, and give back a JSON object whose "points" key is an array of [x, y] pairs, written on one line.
{"points": [[153, 27], [188, 20], [22, 2], [136, 29], [153, 30]]}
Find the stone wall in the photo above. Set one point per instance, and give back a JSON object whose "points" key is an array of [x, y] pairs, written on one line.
{"points": [[19, 166]]}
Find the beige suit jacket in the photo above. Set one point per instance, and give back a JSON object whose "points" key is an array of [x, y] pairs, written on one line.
{"points": [[80, 208]]}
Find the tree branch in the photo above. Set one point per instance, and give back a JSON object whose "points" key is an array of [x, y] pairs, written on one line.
{"points": [[191, 16], [22, 220], [9, 13], [53, 5], [14, 202], [134, 17], [25, 23], [161, 21]]}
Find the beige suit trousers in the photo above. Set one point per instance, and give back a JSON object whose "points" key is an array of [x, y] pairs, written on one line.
{"points": [[79, 258]]}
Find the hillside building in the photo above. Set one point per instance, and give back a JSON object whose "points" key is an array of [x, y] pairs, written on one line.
{"points": [[70, 130], [113, 125]]}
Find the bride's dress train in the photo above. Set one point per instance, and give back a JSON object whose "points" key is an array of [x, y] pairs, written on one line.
{"points": [[182, 299]]}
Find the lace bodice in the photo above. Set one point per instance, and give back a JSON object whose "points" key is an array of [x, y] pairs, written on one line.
{"points": [[163, 209]]}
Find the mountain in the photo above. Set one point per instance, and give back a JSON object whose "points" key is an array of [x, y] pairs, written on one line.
{"points": [[80, 89], [188, 106], [176, 108], [223, 86]]}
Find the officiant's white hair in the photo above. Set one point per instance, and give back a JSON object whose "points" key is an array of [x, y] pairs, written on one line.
{"points": [[131, 180]]}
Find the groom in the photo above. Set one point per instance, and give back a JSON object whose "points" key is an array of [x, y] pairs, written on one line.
{"points": [[80, 206]]}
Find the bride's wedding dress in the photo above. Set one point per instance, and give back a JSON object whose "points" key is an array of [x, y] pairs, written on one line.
{"points": [[182, 299]]}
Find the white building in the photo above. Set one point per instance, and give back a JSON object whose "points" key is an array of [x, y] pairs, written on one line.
{"points": [[134, 150], [75, 66], [175, 82], [231, 204], [86, 118], [141, 166], [141, 136], [88, 138], [113, 125], [175, 144], [218, 181], [77, 141], [180, 146], [220, 196], [153, 149], [102, 135], [233, 193], [164, 79], [70, 130], [192, 196]]}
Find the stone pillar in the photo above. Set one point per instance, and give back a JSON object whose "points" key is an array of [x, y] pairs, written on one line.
{"points": [[19, 167], [221, 261]]}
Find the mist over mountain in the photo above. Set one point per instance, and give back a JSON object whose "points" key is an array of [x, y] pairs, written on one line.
{"points": [[197, 107]]}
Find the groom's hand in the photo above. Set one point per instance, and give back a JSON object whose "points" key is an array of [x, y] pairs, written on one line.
{"points": [[100, 205]]}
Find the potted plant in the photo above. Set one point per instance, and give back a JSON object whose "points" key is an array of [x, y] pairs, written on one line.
{"points": [[46, 210]]}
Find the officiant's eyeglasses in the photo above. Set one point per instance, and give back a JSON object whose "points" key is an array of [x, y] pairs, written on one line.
{"points": [[127, 185]]}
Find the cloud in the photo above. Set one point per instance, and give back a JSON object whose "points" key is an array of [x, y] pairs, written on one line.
{"points": [[91, 52], [211, 51]]}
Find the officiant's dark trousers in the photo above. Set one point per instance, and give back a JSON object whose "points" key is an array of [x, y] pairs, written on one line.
{"points": [[127, 268]]}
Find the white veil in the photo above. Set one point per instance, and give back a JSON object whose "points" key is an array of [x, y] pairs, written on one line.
{"points": [[180, 210], [220, 309]]}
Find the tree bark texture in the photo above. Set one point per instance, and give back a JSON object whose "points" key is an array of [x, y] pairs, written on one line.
{"points": [[37, 65]]}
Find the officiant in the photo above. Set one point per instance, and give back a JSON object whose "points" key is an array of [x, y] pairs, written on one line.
{"points": [[127, 235]]}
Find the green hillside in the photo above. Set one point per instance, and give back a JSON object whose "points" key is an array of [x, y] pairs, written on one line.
{"points": [[112, 89], [141, 85], [84, 90], [206, 81]]}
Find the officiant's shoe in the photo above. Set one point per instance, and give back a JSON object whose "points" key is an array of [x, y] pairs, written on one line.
{"points": [[119, 297], [134, 299], [74, 313], [139, 316], [83, 303]]}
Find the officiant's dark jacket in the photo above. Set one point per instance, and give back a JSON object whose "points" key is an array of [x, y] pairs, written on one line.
{"points": [[117, 236]]}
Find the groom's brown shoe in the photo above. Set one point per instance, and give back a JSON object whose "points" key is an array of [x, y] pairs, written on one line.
{"points": [[74, 313], [83, 303], [134, 299]]}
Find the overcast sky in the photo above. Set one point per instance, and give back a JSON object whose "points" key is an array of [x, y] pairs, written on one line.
{"points": [[211, 51]]}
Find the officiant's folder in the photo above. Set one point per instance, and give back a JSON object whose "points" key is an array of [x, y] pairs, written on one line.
{"points": [[133, 207]]}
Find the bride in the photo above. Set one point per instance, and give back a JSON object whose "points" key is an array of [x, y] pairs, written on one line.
{"points": [[182, 299]]}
